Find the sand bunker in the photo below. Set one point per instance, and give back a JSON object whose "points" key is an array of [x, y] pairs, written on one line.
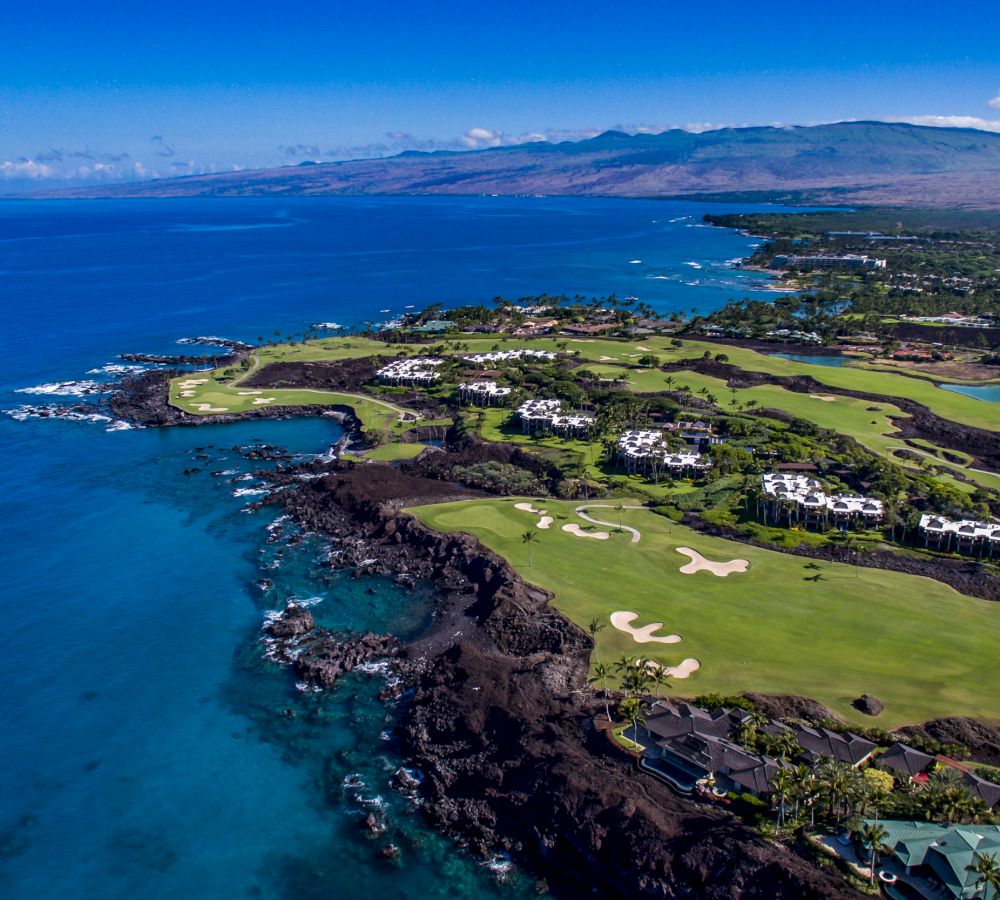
{"points": [[207, 407], [576, 530], [258, 400], [527, 507], [192, 382], [699, 563], [826, 398], [248, 393], [545, 521], [622, 620], [682, 670], [608, 359], [187, 393]]}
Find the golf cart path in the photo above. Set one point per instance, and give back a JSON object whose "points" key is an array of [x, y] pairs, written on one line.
{"points": [[580, 512]]}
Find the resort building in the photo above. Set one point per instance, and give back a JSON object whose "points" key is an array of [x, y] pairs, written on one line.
{"points": [[824, 261], [822, 743], [939, 860], [915, 766], [419, 371], [503, 356], [547, 417], [960, 535], [686, 744], [795, 498], [483, 393], [646, 450]]}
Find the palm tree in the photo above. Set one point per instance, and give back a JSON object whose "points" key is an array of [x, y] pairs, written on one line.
{"points": [[601, 673], [987, 870], [631, 709], [623, 667], [782, 785], [595, 627], [661, 678], [529, 538], [874, 835], [619, 506]]}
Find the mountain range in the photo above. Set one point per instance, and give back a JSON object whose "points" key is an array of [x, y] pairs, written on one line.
{"points": [[849, 163]]}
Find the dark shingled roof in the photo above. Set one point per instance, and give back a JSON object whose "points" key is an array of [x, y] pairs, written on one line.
{"points": [[905, 760], [821, 742]]}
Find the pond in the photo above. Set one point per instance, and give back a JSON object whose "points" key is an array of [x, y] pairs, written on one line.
{"points": [[814, 360], [988, 392]]}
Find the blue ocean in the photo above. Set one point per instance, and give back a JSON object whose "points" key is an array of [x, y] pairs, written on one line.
{"points": [[145, 753]]}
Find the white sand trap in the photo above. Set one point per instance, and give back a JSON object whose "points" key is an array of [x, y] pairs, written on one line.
{"points": [[577, 531], [826, 398], [608, 359], [682, 670], [622, 620], [192, 382], [187, 393], [207, 407], [249, 393], [647, 349], [258, 400], [527, 507], [545, 521], [699, 563]]}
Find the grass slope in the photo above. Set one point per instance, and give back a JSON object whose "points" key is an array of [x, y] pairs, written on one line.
{"points": [[923, 649]]}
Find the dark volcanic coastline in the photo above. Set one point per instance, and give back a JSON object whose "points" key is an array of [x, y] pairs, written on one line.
{"points": [[502, 721]]}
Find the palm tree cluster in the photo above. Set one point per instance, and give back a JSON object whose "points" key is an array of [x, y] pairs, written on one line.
{"points": [[836, 793]]}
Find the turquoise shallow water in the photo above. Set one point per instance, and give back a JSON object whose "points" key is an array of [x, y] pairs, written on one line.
{"points": [[143, 754], [989, 393], [815, 360]]}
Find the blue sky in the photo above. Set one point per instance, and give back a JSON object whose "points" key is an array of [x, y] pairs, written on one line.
{"points": [[94, 92]]}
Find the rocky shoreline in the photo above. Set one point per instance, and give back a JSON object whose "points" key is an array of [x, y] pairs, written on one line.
{"points": [[503, 724], [501, 720]]}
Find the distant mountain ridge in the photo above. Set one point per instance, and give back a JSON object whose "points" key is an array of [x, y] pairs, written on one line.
{"points": [[848, 163]]}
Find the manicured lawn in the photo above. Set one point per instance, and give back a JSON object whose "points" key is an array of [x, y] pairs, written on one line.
{"points": [[392, 452], [788, 625]]}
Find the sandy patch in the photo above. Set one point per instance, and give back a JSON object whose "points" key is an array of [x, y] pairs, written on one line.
{"points": [[187, 393], [207, 407], [545, 521], [528, 508], [699, 563], [647, 349], [577, 531], [622, 620], [682, 670], [249, 393], [192, 382], [258, 400], [826, 398], [608, 359]]}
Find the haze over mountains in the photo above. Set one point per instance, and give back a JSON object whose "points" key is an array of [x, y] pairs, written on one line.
{"points": [[845, 163]]}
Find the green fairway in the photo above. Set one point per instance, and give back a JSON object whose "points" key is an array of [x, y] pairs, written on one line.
{"points": [[868, 423], [788, 625], [857, 376], [396, 451]]}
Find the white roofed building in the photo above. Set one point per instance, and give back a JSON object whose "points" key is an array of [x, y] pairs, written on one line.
{"points": [[421, 370], [797, 498], [483, 393], [960, 535]]}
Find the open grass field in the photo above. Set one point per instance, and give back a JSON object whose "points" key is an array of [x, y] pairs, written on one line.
{"points": [[787, 625]]}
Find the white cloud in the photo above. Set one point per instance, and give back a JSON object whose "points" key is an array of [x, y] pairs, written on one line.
{"points": [[25, 168], [953, 122], [995, 102]]}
